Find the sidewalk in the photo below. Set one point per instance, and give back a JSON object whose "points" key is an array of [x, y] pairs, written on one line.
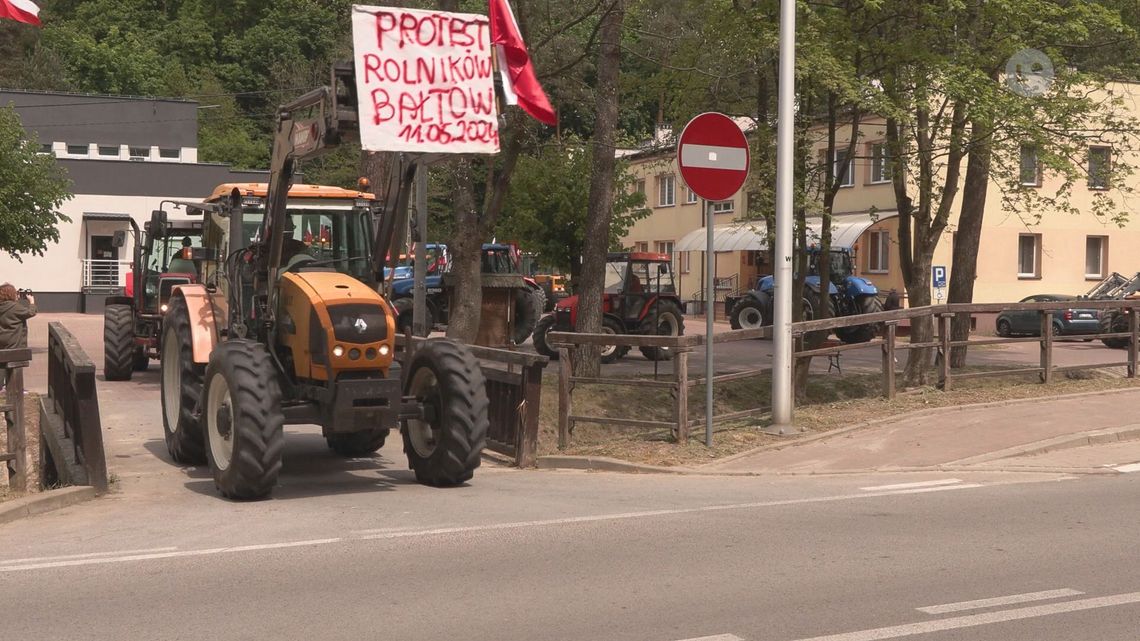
{"points": [[980, 435]]}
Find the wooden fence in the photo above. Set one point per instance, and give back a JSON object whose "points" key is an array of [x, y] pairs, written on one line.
{"points": [[16, 458], [514, 389], [69, 415], [886, 340]]}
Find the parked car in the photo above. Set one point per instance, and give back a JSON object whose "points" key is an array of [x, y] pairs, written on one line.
{"points": [[1067, 321]]}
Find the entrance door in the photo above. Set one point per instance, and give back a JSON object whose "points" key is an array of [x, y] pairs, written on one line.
{"points": [[103, 266]]}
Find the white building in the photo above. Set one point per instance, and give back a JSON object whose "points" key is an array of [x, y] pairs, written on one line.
{"points": [[124, 156]]}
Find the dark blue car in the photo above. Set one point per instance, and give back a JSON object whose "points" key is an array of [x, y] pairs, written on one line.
{"points": [[1067, 321]]}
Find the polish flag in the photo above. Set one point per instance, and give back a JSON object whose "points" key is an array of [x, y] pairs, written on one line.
{"points": [[520, 84], [20, 11]]}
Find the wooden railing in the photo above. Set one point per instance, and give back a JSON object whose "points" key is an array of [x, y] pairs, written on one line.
{"points": [[886, 340], [15, 455], [514, 390], [69, 416]]}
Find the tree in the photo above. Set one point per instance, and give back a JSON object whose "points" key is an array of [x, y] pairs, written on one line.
{"points": [[32, 188], [548, 200]]}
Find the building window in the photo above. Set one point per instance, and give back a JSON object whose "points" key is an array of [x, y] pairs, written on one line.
{"points": [[879, 258], [1096, 256], [881, 168], [639, 187], [45, 148], [724, 207], [666, 247], [1029, 256], [839, 163], [683, 262], [77, 150], [109, 150], [140, 153], [690, 196], [641, 247], [170, 154], [666, 190], [1030, 166], [1100, 167]]}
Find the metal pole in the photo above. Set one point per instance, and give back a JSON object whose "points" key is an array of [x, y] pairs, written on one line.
{"points": [[785, 168], [419, 288], [710, 303]]}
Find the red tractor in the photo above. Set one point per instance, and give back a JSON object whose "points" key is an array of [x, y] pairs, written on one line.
{"points": [[640, 298]]}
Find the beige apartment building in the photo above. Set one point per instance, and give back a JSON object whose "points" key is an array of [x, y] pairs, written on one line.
{"points": [[1062, 253]]}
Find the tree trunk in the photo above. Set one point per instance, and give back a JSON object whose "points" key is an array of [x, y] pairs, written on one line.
{"points": [[466, 250], [967, 240], [600, 208]]}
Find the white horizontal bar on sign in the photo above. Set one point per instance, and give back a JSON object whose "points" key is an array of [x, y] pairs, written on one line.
{"points": [[1012, 599], [710, 157]]}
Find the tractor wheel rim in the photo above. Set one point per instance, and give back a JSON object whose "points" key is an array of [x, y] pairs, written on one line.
{"points": [[608, 350], [220, 422], [424, 432], [171, 379], [751, 318]]}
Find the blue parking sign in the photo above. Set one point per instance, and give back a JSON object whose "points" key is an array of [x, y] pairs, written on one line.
{"points": [[939, 276]]}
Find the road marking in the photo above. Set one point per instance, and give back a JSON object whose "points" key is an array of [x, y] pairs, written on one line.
{"points": [[89, 555], [163, 555], [903, 486], [717, 637], [7, 566], [1012, 599], [988, 618], [1128, 469]]}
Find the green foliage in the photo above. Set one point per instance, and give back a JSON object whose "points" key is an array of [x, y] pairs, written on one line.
{"points": [[32, 188], [546, 207]]}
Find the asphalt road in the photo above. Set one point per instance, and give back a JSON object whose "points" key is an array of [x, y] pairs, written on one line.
{"points": [[588, 557]]}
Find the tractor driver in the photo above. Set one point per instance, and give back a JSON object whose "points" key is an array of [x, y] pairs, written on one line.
{"points": [[182, 262], [292, 250]]}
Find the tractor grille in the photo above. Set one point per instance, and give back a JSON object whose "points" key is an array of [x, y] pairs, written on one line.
{"points": [[359, 322]]}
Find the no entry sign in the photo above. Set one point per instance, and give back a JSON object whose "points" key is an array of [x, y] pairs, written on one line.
{"points": [[713, 156]]}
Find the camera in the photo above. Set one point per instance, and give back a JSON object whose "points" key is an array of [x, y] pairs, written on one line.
{"points": [[23, 293]]}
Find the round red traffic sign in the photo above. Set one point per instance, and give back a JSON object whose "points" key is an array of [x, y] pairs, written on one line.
{"points": [[713, 156]]}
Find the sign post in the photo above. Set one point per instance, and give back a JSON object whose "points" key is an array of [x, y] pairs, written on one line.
{"points": [[713, 158], [785, 170], [938, 278]]}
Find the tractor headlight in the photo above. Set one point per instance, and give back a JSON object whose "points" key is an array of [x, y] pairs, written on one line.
{"points": [[338, 351], [385, 350], [164, 308]]}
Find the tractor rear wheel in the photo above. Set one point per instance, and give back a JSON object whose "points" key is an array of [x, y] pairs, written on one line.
{"points": [[1110, 322], [528, 309], [445, 445], [243, 420], [666, 320], [862, 333], [811, 307], [747, 313], [118, 342], [545, 324], [357, 444], [181, 385]]}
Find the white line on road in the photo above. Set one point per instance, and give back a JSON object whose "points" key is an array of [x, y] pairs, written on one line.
{"points": [[903, 486], [1128, 469], [717, 637], [988, 618], [89, 555], [468, 529], [1012, 599]]}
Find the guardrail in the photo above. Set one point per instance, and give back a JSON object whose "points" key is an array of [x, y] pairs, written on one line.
{"points": [[15, 455], [103, 273], [514, 390], [69, 415], [887, 342]]}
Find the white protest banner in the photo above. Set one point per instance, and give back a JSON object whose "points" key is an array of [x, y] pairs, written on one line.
{"points": [[424, 81]]}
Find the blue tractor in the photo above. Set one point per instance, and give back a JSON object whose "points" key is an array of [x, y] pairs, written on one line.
{"points": [[848, 295]]}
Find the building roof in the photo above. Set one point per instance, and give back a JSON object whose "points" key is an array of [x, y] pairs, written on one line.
{"points": [[83, 119], [752, 235]]}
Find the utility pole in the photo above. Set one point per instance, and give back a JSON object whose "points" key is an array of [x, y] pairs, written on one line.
{"points": [[782, 387]]}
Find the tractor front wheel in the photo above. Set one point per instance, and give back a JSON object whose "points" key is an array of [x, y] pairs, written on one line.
{"points": [[444, 445], [118, 342], [545, 324], [747, 313], [612, 353], [666, 320], [243, 420], [1112, 322], [404, 316], [528, 309], [181, 385]]}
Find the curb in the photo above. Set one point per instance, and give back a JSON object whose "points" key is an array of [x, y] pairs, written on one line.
{"points": [[1066, 442], [604, 464], [44, 502]]}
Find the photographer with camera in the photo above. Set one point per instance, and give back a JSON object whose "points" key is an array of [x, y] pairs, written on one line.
{"points": [[16, 307]]}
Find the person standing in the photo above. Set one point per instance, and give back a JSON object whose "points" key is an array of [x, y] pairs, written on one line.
{"points": [[14, 315]]}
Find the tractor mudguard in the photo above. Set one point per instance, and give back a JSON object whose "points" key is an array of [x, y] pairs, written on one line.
{"points": [[119, 300], [812, 283], [203, 328], [857, 287]]}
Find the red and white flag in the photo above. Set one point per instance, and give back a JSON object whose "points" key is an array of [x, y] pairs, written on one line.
{"points": [[520, 84], [20, 11]]}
